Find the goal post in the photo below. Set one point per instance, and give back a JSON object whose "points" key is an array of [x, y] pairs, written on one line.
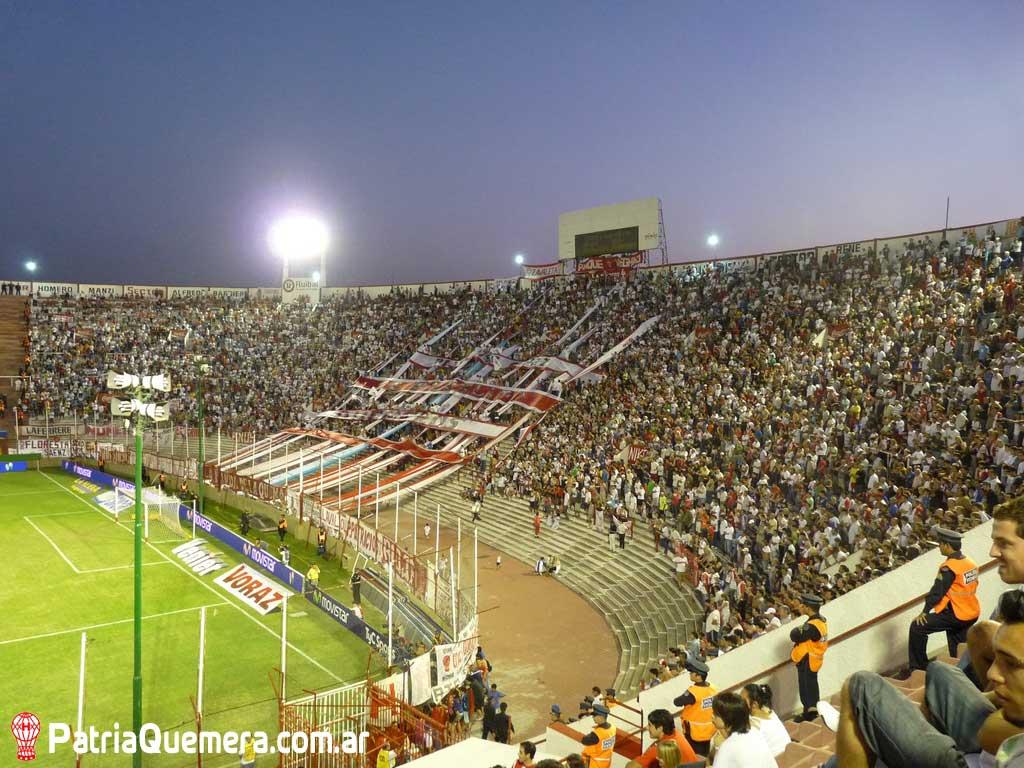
{"points": [[163, 508]]}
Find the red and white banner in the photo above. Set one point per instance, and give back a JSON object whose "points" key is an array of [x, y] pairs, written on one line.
{"points": [[542, 271], [378, 548], [640, 331], [527, 398], [610, 264], [455, 659], [259, 592], [423, 419]]}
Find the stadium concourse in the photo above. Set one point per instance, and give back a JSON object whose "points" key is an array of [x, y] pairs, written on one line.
{"points": [[689, 448]]}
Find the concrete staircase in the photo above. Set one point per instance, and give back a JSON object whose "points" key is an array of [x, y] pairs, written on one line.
{"points": [[633, 588], [12, 331]]}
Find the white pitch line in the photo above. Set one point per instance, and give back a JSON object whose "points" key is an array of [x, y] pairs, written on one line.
{"points": [[118, 567], [55, 514], [52, 544], [189, 573], [25, 493], [76, 630]]}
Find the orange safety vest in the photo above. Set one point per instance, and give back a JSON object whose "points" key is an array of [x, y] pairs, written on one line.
{"points": [[600, 754], [962, 592], [699, 715], [815, 648]]}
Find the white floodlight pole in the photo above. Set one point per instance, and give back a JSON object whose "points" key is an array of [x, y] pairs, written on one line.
{"points": [[451, 582], [415, 522], [321, 476]]}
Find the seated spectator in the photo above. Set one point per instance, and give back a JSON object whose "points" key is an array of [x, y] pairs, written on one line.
{"points": [[875, 721], [741, 747], [662, 729], [764, 720]]}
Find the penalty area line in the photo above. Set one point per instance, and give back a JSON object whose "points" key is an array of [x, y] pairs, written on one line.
{"points": [[244, 611], [76, 630]]}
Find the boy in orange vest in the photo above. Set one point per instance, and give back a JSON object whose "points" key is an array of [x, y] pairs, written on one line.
{"points": [[810, 641]]}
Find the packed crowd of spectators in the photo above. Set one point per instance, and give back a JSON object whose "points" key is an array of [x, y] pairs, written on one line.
{"points": [[797, 428]]}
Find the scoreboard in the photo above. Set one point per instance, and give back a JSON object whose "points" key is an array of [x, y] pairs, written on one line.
{"points": [[611, 229]]}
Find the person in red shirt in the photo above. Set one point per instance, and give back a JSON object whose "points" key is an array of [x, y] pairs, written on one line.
{"points": [[662, 727], [527, 751]]}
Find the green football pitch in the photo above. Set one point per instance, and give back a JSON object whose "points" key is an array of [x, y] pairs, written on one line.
{"points": [[66, 569]]}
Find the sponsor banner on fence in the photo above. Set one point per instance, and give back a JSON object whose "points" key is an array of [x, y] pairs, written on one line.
{"points": [[253, 588], [62, 447], [89, 290], [13, 466], [96, 476], [542, 271], [54, 431], [185, 291], [845, 249], [259, 557], [345, 616], [300, 289], [145, 291], [48, 290]]}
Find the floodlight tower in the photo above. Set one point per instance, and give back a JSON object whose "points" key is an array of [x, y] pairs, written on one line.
{"points": [[139, 407], [300, 236]]}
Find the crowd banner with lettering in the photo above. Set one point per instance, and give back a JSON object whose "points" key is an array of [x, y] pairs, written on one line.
{"points": [[742, 264], [186, 291], [187, 468], [236, 294], [542, 271], [527, 398], [251, 486], [845, 249], [49, 290], [798, 256], [611, 264], [53, 431], [59, 447], [378, 548], [99, 290], [145, 291], [455, 659], [300, 289]]}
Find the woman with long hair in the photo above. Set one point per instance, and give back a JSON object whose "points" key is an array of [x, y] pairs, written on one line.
{"points": [[742, 747], [763, 719]]}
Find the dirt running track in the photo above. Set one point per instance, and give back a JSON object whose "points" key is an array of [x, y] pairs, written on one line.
{"points": [[547, 644]]}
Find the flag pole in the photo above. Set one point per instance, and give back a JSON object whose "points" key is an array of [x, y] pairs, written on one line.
{"points": [[415, 522], [359, 494], [437, 536], [458, 573], [376, 505], [451, 577]]}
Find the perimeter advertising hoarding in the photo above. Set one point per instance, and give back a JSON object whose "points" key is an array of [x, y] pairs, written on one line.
{"points": [[49, 290]]}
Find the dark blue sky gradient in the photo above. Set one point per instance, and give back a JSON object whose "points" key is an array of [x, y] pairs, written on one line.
{"points": [[154, 142]]}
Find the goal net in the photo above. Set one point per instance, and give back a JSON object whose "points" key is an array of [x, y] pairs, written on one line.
{"points": [[159, 511]]}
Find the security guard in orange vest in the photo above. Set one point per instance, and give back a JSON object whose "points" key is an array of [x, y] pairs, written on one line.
{"points": [[810, 641], [599, 744], [696, 703], [952, 604]]}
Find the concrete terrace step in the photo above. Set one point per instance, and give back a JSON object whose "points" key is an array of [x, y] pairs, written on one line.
{"points": [[633, 588]]}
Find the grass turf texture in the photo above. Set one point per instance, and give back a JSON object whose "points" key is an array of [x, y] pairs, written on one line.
{"points": [[67, 569]]}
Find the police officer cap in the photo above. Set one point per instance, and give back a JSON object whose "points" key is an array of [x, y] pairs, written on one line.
{"points": [[812, 601], [600, 709], [555, 709], [946, 536], [698, 666]]}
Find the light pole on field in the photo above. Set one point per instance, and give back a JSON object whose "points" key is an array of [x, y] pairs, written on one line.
{"points": [[141, 409]]}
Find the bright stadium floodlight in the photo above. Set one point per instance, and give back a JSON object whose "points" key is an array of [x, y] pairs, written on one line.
{"points": [[712, 240], [316, 276], [298, 236], [31, 266], [520, 259]]}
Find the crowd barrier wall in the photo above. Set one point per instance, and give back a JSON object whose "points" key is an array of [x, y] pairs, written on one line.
{"points": [[1004, 228]]}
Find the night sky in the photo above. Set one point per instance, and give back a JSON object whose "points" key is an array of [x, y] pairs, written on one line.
{"points": [[150, 142]]}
